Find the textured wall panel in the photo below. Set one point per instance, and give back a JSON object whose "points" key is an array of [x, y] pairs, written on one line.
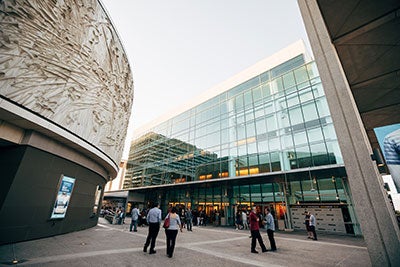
{"points": [[63, 60]]}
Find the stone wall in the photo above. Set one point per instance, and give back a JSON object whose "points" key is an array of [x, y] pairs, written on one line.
{"points": [[64, 61]]}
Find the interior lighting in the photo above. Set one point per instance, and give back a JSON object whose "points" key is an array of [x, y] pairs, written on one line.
{"points": [[246, 141]]}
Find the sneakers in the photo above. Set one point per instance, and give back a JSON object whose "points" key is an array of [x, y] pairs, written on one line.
{"points": [[152, 252], [254, 251], [144, 249]]}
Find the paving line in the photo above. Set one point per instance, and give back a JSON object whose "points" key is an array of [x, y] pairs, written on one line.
{"points": [[247, 234], [192, 246], [124, 231], [297, 240], [321, 243], [75, 256], [245, 261]]}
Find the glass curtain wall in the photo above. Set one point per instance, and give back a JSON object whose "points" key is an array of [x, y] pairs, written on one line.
{"points": [[276, 121]]}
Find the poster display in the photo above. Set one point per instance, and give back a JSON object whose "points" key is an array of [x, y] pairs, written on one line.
{"points": [[63, 197], [389, 141]]}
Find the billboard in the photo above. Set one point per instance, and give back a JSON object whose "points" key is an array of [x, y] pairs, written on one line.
{"points": [[389, 141], [64, 192]]}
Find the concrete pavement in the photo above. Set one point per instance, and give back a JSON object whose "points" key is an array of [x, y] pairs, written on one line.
{"points": [[114, 245]]}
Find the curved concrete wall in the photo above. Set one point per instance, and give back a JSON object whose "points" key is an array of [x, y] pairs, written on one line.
{"points": [[64, 61], [66, 94]]}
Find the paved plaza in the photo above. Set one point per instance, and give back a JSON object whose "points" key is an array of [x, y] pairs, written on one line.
{"points": [[114, 245]]}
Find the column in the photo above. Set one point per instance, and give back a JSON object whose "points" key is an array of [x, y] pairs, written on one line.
{"points": [[375, 215]]}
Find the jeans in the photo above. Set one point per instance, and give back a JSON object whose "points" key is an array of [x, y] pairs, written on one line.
{"points": [[134, 224], [189, 224]]}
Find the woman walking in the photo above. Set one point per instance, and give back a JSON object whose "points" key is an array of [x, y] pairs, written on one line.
{"points": [[172, 231]]}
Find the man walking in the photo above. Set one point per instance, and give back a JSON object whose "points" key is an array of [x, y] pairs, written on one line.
{"points": [[313, 223], [154, 220], [255, 231], [135, 217], [189, 219], [270, 228]]}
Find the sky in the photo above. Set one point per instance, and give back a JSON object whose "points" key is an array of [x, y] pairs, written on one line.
{"points": [[178, 49]]}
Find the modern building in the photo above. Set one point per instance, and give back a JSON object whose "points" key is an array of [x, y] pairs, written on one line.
{"points": [[356, 48], [66, 93], [264, 137]]}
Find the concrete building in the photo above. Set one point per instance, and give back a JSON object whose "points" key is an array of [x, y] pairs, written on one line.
{"points": [[65, 99], [356, 47]]}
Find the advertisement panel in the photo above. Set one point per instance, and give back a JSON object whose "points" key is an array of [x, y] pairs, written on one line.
{"points": [[389, 141], [63, 197]]}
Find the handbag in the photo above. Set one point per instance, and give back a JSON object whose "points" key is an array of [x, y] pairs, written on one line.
{"points": [[166, 222]]}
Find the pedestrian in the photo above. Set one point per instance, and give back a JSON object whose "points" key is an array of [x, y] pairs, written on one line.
{"points": [[189, 219], [270, 225], [244, 220], [307, 223], [183, 217], [203, 218], [122, 216], [135, 217], [153, 219], [198, 218], [238, 220], [118, 215], [172, 231], [313, 223], [255, 231]]}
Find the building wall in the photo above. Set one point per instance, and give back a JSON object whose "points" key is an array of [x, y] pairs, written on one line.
{"points": [[66, 94], [64, 61], [25, 212], [266, 140]]}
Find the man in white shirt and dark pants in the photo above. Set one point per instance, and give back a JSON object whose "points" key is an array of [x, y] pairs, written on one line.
{"points": [[154, 220], [313, 223]]}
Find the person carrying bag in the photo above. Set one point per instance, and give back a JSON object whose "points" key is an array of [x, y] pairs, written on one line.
{"points": [[172, 223]]}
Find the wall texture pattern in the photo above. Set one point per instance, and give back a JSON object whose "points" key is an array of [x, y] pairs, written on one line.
{"points": [[63, 60]]}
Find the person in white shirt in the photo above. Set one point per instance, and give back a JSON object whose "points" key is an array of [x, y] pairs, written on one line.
{"points": [[135, 217], [313, 223], [270, 225], [172, 231], [244, 220], [154, 220]]}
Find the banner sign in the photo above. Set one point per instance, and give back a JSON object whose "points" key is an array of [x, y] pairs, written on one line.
{"points": [[63, 197], [389, 141]]}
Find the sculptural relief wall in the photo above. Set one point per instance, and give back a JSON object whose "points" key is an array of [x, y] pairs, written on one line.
{"points": [[63, 60]]}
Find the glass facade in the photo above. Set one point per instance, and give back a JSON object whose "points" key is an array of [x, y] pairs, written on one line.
{"points": [[264, 130], [268, 123]]}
